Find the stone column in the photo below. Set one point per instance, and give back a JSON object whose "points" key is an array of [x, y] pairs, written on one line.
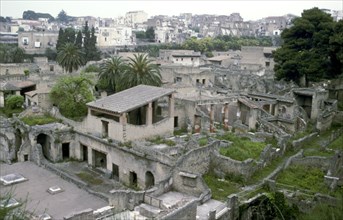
{"points": [[270, 108], [171, 106], [212, 129], [226, 116], [123, 119], [91, 156], [148, 114]]}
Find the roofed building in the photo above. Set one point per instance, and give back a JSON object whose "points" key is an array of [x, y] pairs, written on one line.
{"points": [[136, 113]]}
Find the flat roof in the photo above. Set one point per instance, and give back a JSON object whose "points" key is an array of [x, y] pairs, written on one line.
{"points": [[130, 99], [219, 58]]}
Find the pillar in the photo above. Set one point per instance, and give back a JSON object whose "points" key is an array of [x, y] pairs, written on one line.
{"points": [[212, 129], [148, 114], [226, 116], [91, 156], [171, 106], [123, 119]]}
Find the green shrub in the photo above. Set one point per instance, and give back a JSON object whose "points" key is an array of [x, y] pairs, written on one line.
{"points": [[14, 102], [203, 141]]}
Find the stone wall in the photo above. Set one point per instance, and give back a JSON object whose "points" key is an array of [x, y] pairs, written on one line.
{"points": [[197, 161], [125, 199], [186, 212]]}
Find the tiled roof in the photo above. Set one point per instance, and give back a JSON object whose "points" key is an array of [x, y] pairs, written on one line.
{"points": [[130, 99]]}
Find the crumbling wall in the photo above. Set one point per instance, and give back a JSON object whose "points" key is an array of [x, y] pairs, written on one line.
{"points": [[125, 199], [186, 212]]}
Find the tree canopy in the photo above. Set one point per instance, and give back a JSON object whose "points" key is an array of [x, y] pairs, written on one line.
{"points": [[70, 57], [71, 93], [116, 75], [11, 54], [312, 48], [139, 71]]}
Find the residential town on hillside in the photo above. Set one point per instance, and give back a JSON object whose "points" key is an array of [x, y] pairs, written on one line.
{"points": [[178, 135]]}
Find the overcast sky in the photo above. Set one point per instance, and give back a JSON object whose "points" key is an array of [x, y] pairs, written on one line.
{"points": [[249, 10]]}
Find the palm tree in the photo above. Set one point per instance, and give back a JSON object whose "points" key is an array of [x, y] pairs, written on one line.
{"points": [[110, 72], [70, 57], [139, 71]]}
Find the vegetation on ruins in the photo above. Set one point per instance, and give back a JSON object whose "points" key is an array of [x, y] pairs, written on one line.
{"points": [[311, 49], [39, 119], [71, 93], [242, 148], [139, 71], [13, 105]]}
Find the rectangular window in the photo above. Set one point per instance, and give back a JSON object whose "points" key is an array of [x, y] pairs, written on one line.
{"points": [[203, 81], [267, 64], [178, 79], [198, 80], [192, 59], [51, 68]]}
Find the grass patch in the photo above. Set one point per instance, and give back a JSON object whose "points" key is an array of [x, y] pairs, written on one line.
{"points": [[39, 120], [159, 140], [203, 141], [180, 132], [323, 211], [8, 113], [318, 152], [304, 177], [221, 188], [89, 178], [242, 148], [337, 144]]}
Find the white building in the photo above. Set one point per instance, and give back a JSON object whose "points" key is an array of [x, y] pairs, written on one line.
{"points": [[114, 36], [135, 17]]}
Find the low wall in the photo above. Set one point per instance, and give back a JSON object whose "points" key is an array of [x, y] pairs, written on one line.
{"points": [[198, 160], [125, 199], [297, 143], [185, 212], [225, 166]]}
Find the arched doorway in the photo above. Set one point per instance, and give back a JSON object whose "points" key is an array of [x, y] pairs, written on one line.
{"points": [[149, 180], [44, 141]]}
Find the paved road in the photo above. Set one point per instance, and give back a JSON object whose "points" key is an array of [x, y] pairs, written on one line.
{"points": [[73, 199]]}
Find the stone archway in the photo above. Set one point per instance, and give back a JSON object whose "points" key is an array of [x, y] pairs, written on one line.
{"points": [[149, 180], [45, 142]]}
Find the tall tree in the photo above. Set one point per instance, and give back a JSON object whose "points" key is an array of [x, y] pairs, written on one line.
{"points": [[62, 17], [78, 41], [86, 40], [110, 73], [70, 57], [61, 40], [69, 35], [71, 93], [140, 70], [306, 51]]}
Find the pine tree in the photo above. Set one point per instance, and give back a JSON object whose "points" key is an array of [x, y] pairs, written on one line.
{"points": [[78, 41], [60, 40]]}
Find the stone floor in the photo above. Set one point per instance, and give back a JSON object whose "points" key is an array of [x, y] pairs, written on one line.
{"points": [[38, 200], [204, 209]]}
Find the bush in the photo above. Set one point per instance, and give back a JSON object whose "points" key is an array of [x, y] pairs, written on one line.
{"points": [[203, 141], [14, 102]]}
